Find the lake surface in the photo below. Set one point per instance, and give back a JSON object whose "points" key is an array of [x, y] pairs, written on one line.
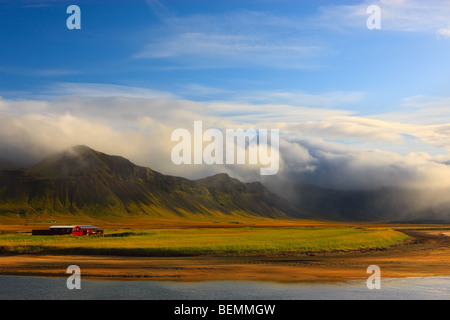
{"points": [[42, 288]]}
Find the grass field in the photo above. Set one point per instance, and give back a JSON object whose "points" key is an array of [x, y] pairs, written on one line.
{"points": [[206, 241]]}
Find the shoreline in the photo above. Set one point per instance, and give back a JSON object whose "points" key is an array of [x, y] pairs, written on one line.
{"points": [[427, 254]]}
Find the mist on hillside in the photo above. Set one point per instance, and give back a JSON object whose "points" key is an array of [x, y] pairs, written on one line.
{"points": [[329, 179]]}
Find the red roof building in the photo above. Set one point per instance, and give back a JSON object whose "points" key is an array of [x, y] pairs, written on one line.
{"points": [[75, 230]]}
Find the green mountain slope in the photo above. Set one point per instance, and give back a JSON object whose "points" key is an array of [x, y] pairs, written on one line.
{"points": [[83, 181]]}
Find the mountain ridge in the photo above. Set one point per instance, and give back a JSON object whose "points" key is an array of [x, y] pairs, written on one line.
{"points": [[81, 180]]}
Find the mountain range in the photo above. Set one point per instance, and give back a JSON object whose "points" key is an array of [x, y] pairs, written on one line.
{"points": [[80, 180], [387, 204]]}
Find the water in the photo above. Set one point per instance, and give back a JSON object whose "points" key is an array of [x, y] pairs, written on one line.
{"points": [[42, 288]]}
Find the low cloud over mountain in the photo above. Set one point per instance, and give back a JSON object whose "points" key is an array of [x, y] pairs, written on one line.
{"points": [[358, 175]]}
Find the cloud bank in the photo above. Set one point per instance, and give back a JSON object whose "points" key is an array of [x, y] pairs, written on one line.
{"points": [[315, 148], [397, 15]]}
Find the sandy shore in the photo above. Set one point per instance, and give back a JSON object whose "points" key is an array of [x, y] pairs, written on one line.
{"points": [[427, 254]]}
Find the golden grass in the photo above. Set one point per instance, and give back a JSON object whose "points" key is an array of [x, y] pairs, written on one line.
{"points": [[235, 240]]}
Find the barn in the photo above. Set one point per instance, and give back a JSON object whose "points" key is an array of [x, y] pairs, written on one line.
{"points": [[60, 230], [85, 230], [75, 230]]}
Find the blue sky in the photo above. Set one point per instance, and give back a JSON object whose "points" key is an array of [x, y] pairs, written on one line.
{"points": [[361, 102], [216, 50]]}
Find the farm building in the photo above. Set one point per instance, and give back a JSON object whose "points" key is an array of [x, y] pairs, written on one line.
{"points": [[75, 230], [86, 230]]}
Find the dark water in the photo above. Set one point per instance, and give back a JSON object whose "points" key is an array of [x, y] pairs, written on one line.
{"points": [[37, 288]]}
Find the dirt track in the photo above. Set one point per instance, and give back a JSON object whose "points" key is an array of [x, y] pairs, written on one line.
{"points": [[427, 253]]}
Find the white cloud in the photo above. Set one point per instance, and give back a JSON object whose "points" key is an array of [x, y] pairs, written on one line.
{"points": [[444, 32], [232, 39], [396, 15], [335, 99], [105, 90], [312, 147], [49, 72]]}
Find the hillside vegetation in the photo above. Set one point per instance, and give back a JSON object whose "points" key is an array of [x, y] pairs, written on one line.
{"points": [[83, 181]]}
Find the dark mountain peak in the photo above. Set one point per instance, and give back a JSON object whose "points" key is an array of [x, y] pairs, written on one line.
{"points": [[81, 148], [216, 177], [82, 180], [224, 181], [221, 176], [81, 161], [221, 181]]}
